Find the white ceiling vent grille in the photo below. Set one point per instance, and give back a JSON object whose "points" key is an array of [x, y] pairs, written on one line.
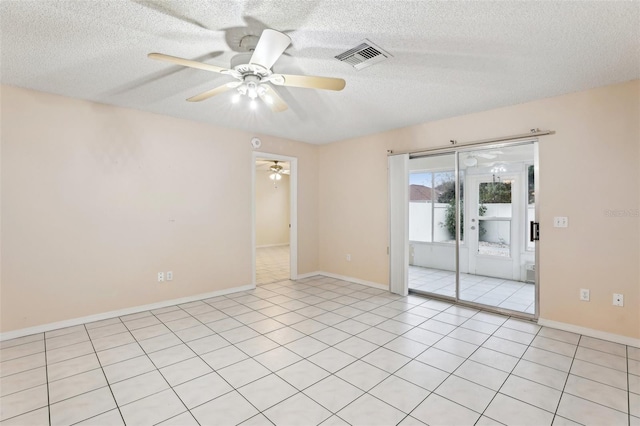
{"points": [[363, 55]]}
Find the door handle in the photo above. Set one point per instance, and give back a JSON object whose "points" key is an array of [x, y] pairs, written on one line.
{"points": [[534, 231]]}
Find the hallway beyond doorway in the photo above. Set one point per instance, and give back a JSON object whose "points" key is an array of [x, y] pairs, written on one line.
{"points": [[272, 264]]}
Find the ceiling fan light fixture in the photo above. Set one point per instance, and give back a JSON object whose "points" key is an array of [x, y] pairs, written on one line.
{"points": [[470, 161], [253, 104], [275, 176]]}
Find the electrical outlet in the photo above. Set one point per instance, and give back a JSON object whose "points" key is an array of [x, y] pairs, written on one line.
{"points": [[348, 258], [560, 222], [584, 294], [169, 275], [618, 299], [160, 277]]}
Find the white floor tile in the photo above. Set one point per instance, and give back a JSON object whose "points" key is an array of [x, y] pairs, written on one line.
{"points": [[138, 387], [587, 412], [22, 402], [153, 409], [400, 393], [302, 374], [202, 389], [494, 359], [171, 355], [370, 411], [540, 374], [224, 357], [111, 418], [356, 347], [511, 411], [184, 419], [129, 368], [277, 359], [306, 346], [331, 359], [113, 355], [362, 375], [243, 372], [81, 407], [466, 393], [598, 373], [436, 410], [267, 391], [333, 393], [481, 374], [597, 392], [75, 385], [23, 381], [533, 393], [297, 410], [422, 375], [185, 370]]}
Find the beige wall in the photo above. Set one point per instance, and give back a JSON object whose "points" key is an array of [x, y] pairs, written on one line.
{"points": [[272, 210], [97, 199], [592, 157]]}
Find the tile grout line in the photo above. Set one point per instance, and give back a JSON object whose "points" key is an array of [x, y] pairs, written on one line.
{"points": [[106, 380], [46, 377], [567, 379]]}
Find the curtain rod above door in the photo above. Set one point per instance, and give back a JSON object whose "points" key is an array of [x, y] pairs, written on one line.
{"points": [[455, 145]]}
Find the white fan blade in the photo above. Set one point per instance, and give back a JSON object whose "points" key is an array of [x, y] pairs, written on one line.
{"points": [[271, 45], [286, 172], [185, 62], [273, 100], [210, 93], [309, 81]]}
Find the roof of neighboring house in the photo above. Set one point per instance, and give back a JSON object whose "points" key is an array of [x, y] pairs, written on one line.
{"points": [[421, 193]]}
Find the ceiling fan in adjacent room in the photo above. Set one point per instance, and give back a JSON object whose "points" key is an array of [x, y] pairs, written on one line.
{"points": [[277, 171], [253, 72]]}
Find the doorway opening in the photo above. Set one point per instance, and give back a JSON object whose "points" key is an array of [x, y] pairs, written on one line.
{"points": [[274, 218], [469, 235]]}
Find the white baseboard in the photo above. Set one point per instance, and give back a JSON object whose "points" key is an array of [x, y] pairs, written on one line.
{"points": [[118, 313], [616, 338], [272, 245], [308, 275], [355, 280]]}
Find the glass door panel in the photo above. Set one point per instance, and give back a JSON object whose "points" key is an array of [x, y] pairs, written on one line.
{"points": [[432, 225], [500, 203]]}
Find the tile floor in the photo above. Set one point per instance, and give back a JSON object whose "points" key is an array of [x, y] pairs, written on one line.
{"points": [[272, 264], [317, 351], [514, 295]]}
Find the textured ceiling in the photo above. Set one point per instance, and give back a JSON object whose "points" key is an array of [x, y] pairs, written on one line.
{"points": [[449, 58]]}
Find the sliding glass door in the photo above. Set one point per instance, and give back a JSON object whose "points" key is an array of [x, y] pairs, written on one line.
{"points": [[489, 194]]}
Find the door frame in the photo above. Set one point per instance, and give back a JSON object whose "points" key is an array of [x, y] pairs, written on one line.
{"points": [[293, 211]]}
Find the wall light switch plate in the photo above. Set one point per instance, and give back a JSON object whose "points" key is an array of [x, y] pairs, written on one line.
{"points": [[160, 277], [560, 222], [169, 275]]}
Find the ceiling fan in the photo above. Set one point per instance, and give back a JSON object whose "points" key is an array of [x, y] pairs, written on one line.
{"points": [[253, 72], [277, 171]]}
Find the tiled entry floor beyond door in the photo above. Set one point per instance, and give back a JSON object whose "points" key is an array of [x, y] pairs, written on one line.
{"points": [[507, 294], [272, 264], [313, 351]]}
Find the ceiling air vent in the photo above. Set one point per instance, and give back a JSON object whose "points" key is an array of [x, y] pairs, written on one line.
{"points": [[363, 55]]}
